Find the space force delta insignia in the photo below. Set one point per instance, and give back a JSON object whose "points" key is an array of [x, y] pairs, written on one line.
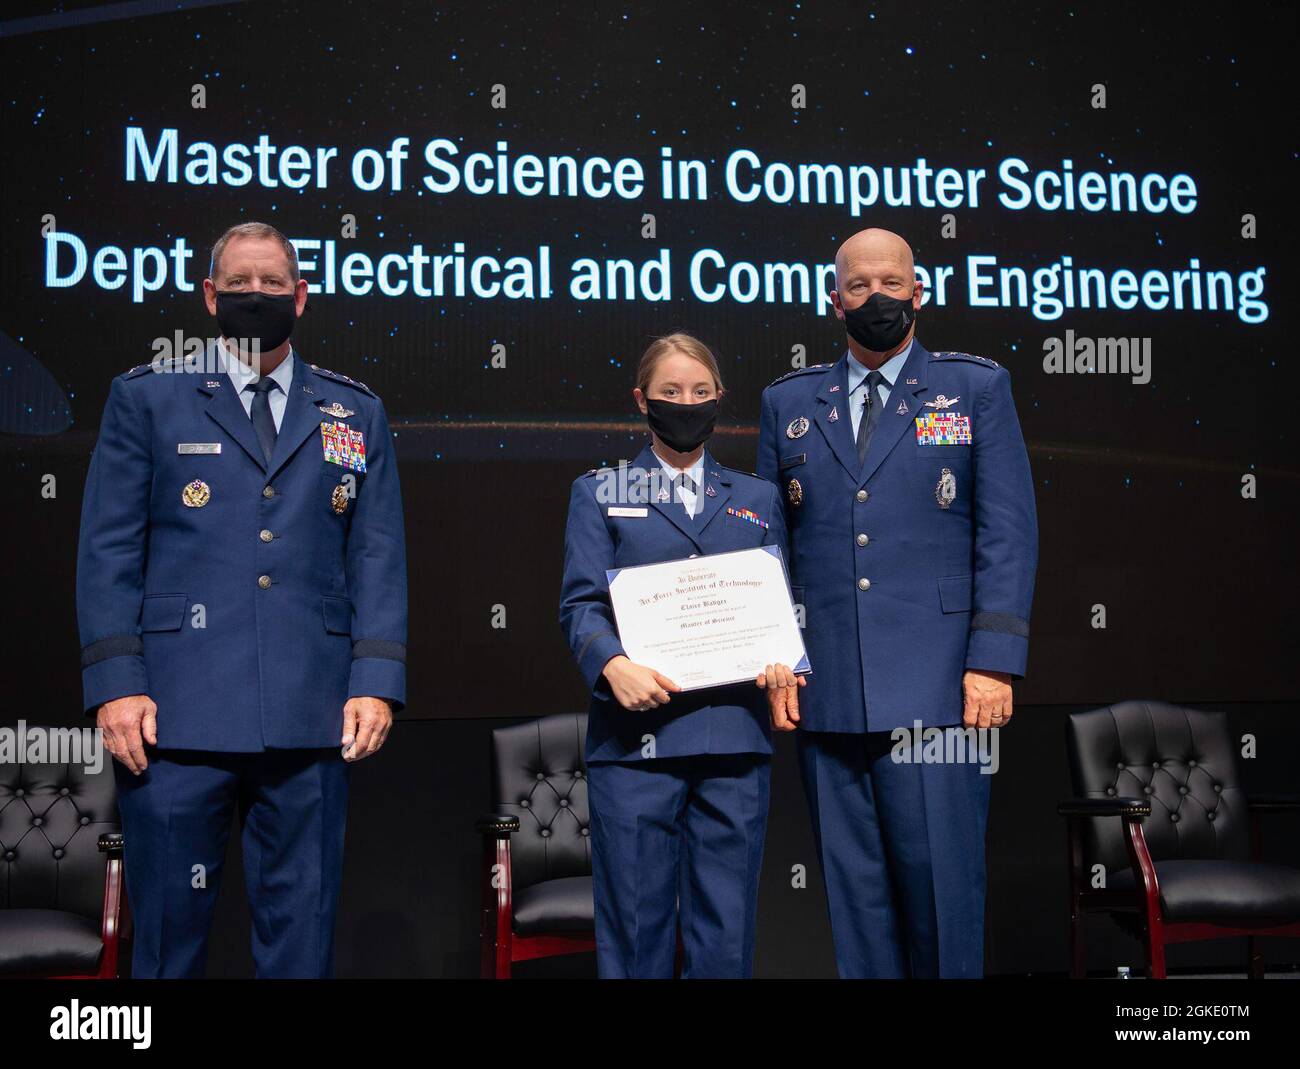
{"points": [[748, 515], [344, 445], [943, 428]]}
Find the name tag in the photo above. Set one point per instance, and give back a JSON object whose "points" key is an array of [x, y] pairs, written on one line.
{"points": [[619, 510], [194, 448]]}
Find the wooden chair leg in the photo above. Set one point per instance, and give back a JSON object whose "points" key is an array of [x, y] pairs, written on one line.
{"points": [[1255, 958], [1078, 948], [496, 926], [1155, 947]]}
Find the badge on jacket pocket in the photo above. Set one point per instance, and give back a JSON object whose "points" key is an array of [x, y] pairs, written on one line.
{"points": [[196, 494]]}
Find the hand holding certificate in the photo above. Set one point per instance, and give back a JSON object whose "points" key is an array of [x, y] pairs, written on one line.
{"points": [[708, 621]]}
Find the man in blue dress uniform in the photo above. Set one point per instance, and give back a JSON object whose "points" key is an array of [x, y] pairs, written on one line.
{"points": [[913, 539], [241, 592]]}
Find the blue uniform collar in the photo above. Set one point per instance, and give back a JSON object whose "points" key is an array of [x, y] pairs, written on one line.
{"points": [[830, 414], [890, 368], [715, 486], [695, 471], [241, 374], [708, 468]]}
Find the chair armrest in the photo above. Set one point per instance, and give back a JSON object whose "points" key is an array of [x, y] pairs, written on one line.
{"points": [[1273, 803], [114, 916], [497, 825], [1104, 807], [112, 843]]}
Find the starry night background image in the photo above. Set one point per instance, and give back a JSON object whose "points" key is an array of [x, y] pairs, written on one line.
{"points": [[1139, 486]]}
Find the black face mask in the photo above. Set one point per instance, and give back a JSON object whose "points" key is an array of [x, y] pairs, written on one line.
{"points": [[266, 318], [681, 427], [880, 322]]}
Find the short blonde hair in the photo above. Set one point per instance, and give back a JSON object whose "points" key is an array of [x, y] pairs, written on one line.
{"points": [[687, 345], [253, 230]]}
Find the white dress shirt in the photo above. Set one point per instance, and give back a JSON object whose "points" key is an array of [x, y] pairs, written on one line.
{"points": [[858, 378], [242, 375], [690, 499]]}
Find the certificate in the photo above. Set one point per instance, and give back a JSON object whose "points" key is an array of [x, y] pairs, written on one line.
{"points": [[708, 621]]}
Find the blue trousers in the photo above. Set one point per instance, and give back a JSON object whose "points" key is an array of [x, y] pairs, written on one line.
{"points": [[902, 852], [677, 841], [176, 819]]}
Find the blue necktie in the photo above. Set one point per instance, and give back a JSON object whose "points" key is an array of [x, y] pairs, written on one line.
{"points": [[683, 481], [263, 421], [870, 414]]}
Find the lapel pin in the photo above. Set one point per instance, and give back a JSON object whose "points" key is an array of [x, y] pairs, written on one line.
{"points": [[709, 491], [835, 415], [902, 408], [911, 382], [212, 385], [833, 389]]}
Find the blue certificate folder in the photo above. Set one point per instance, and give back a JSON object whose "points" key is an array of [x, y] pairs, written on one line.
{"points": [[803, 667]]}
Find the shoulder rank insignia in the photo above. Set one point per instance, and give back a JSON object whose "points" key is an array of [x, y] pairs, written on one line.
{"points": [[800, 371], [336, 410], [986, 361], [338, 376], [943, 401]]}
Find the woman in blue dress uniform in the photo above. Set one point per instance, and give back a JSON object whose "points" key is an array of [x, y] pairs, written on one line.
{"points": [[677, 781]]}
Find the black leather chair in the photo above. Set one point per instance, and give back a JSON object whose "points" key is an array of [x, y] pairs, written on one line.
{"points": [[537, 846], [1162, 837], [62, 908]]}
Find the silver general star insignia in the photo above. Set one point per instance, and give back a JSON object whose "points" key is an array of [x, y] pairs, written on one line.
{"points": [[336, 410], [942, 402], [798, 427]]}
